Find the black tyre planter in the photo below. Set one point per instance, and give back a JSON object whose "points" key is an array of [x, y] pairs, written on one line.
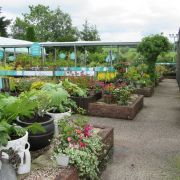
{"points": [[40, 139]]}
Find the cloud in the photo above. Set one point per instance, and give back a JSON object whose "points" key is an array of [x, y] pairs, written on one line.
{"points": [[127, 20]]}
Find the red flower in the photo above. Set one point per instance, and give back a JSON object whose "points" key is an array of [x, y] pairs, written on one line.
{"points": [[82, 145]]}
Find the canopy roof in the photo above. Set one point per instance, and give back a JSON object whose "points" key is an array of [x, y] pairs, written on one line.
{"points": [[89, 43], [15, 43]]}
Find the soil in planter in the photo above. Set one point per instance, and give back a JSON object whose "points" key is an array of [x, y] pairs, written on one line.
{"points": [[37, 118]]}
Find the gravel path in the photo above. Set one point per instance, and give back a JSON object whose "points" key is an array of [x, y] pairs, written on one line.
{"points": [[148, 147]]}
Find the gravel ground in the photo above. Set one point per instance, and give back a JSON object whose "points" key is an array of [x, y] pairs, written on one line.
{"points": [[148, 147]]}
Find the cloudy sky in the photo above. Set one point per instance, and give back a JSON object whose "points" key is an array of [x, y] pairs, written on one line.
{"points": [[116, 20]]}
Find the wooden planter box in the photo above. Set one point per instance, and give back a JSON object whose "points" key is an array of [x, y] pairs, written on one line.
{"points": [[116, 111], [146, 91], [83, 102], [71, 173]]}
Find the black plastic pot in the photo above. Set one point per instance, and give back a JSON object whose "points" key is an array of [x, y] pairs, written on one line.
{"points": [[40, 139]]}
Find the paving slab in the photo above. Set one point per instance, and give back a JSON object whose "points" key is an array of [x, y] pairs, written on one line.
{"points": [[146, 148]]}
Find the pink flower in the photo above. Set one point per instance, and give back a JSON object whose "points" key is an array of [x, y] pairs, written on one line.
{"points": [[69, 139], [88, 130]]}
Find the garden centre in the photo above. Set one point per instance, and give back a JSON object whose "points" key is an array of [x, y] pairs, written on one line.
{"points": [[54, 93]]}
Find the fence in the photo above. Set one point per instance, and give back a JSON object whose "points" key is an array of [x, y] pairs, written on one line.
{"points": [[178, 60]]}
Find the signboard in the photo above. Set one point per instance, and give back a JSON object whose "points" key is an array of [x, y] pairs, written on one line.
{"points": [[35, 50], [108, 58], [62, 56], [1, 54], [11, 58], [72, 56]]}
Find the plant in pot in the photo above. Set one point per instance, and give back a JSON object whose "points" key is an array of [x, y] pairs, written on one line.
{"points": [[60, 104], [12, 135], [10, 108], [79, 142], [108, 95], [38, 120]]}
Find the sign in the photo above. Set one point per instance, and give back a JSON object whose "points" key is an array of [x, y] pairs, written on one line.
{"points": [[1, 54], [108, 58], [35, 50], [72, 56], [62, 56], [11, 58]]}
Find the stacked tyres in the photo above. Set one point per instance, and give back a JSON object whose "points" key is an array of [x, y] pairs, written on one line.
{"points": [[39, 140]]}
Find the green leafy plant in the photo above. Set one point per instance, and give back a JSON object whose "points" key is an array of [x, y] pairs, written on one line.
{"points": [[74, 89], [59, 98], [150, 48], [123, 94]]}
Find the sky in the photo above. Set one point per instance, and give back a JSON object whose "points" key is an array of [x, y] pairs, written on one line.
{"points": [[116, 20]]}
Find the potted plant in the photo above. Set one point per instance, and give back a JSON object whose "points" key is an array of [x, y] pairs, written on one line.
{"points": [[79, 95], [60, 104], [41, 124], [80, 142]]}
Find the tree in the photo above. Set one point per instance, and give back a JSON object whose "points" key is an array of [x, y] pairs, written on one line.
{"points": [[19, 29], [150, 48], [4, 23], [30, 34], [48, 25], [89, 32]]}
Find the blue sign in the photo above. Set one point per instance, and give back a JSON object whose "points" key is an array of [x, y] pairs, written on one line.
{"points": [[35, 50], [11, 58], [72, 56], [108, 58], [1, 54], [62, 56]]}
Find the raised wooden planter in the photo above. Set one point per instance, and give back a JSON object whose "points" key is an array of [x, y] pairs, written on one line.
{"points": [[83, 102], [116, 111], [71, 173], [146, 91]]}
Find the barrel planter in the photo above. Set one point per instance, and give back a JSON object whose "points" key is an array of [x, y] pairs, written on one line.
{"points": [[83, 102], [41, 139], [101, 109], [146, 91]]}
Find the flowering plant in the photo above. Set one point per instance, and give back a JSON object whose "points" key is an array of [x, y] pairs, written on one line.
{"points": [[109, 88], [79, 141], [123, 94]]}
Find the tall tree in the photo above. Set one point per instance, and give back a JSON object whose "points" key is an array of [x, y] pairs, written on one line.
{"points": [[89, 32], [48, 25], [4, 23], [30, 34]]}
